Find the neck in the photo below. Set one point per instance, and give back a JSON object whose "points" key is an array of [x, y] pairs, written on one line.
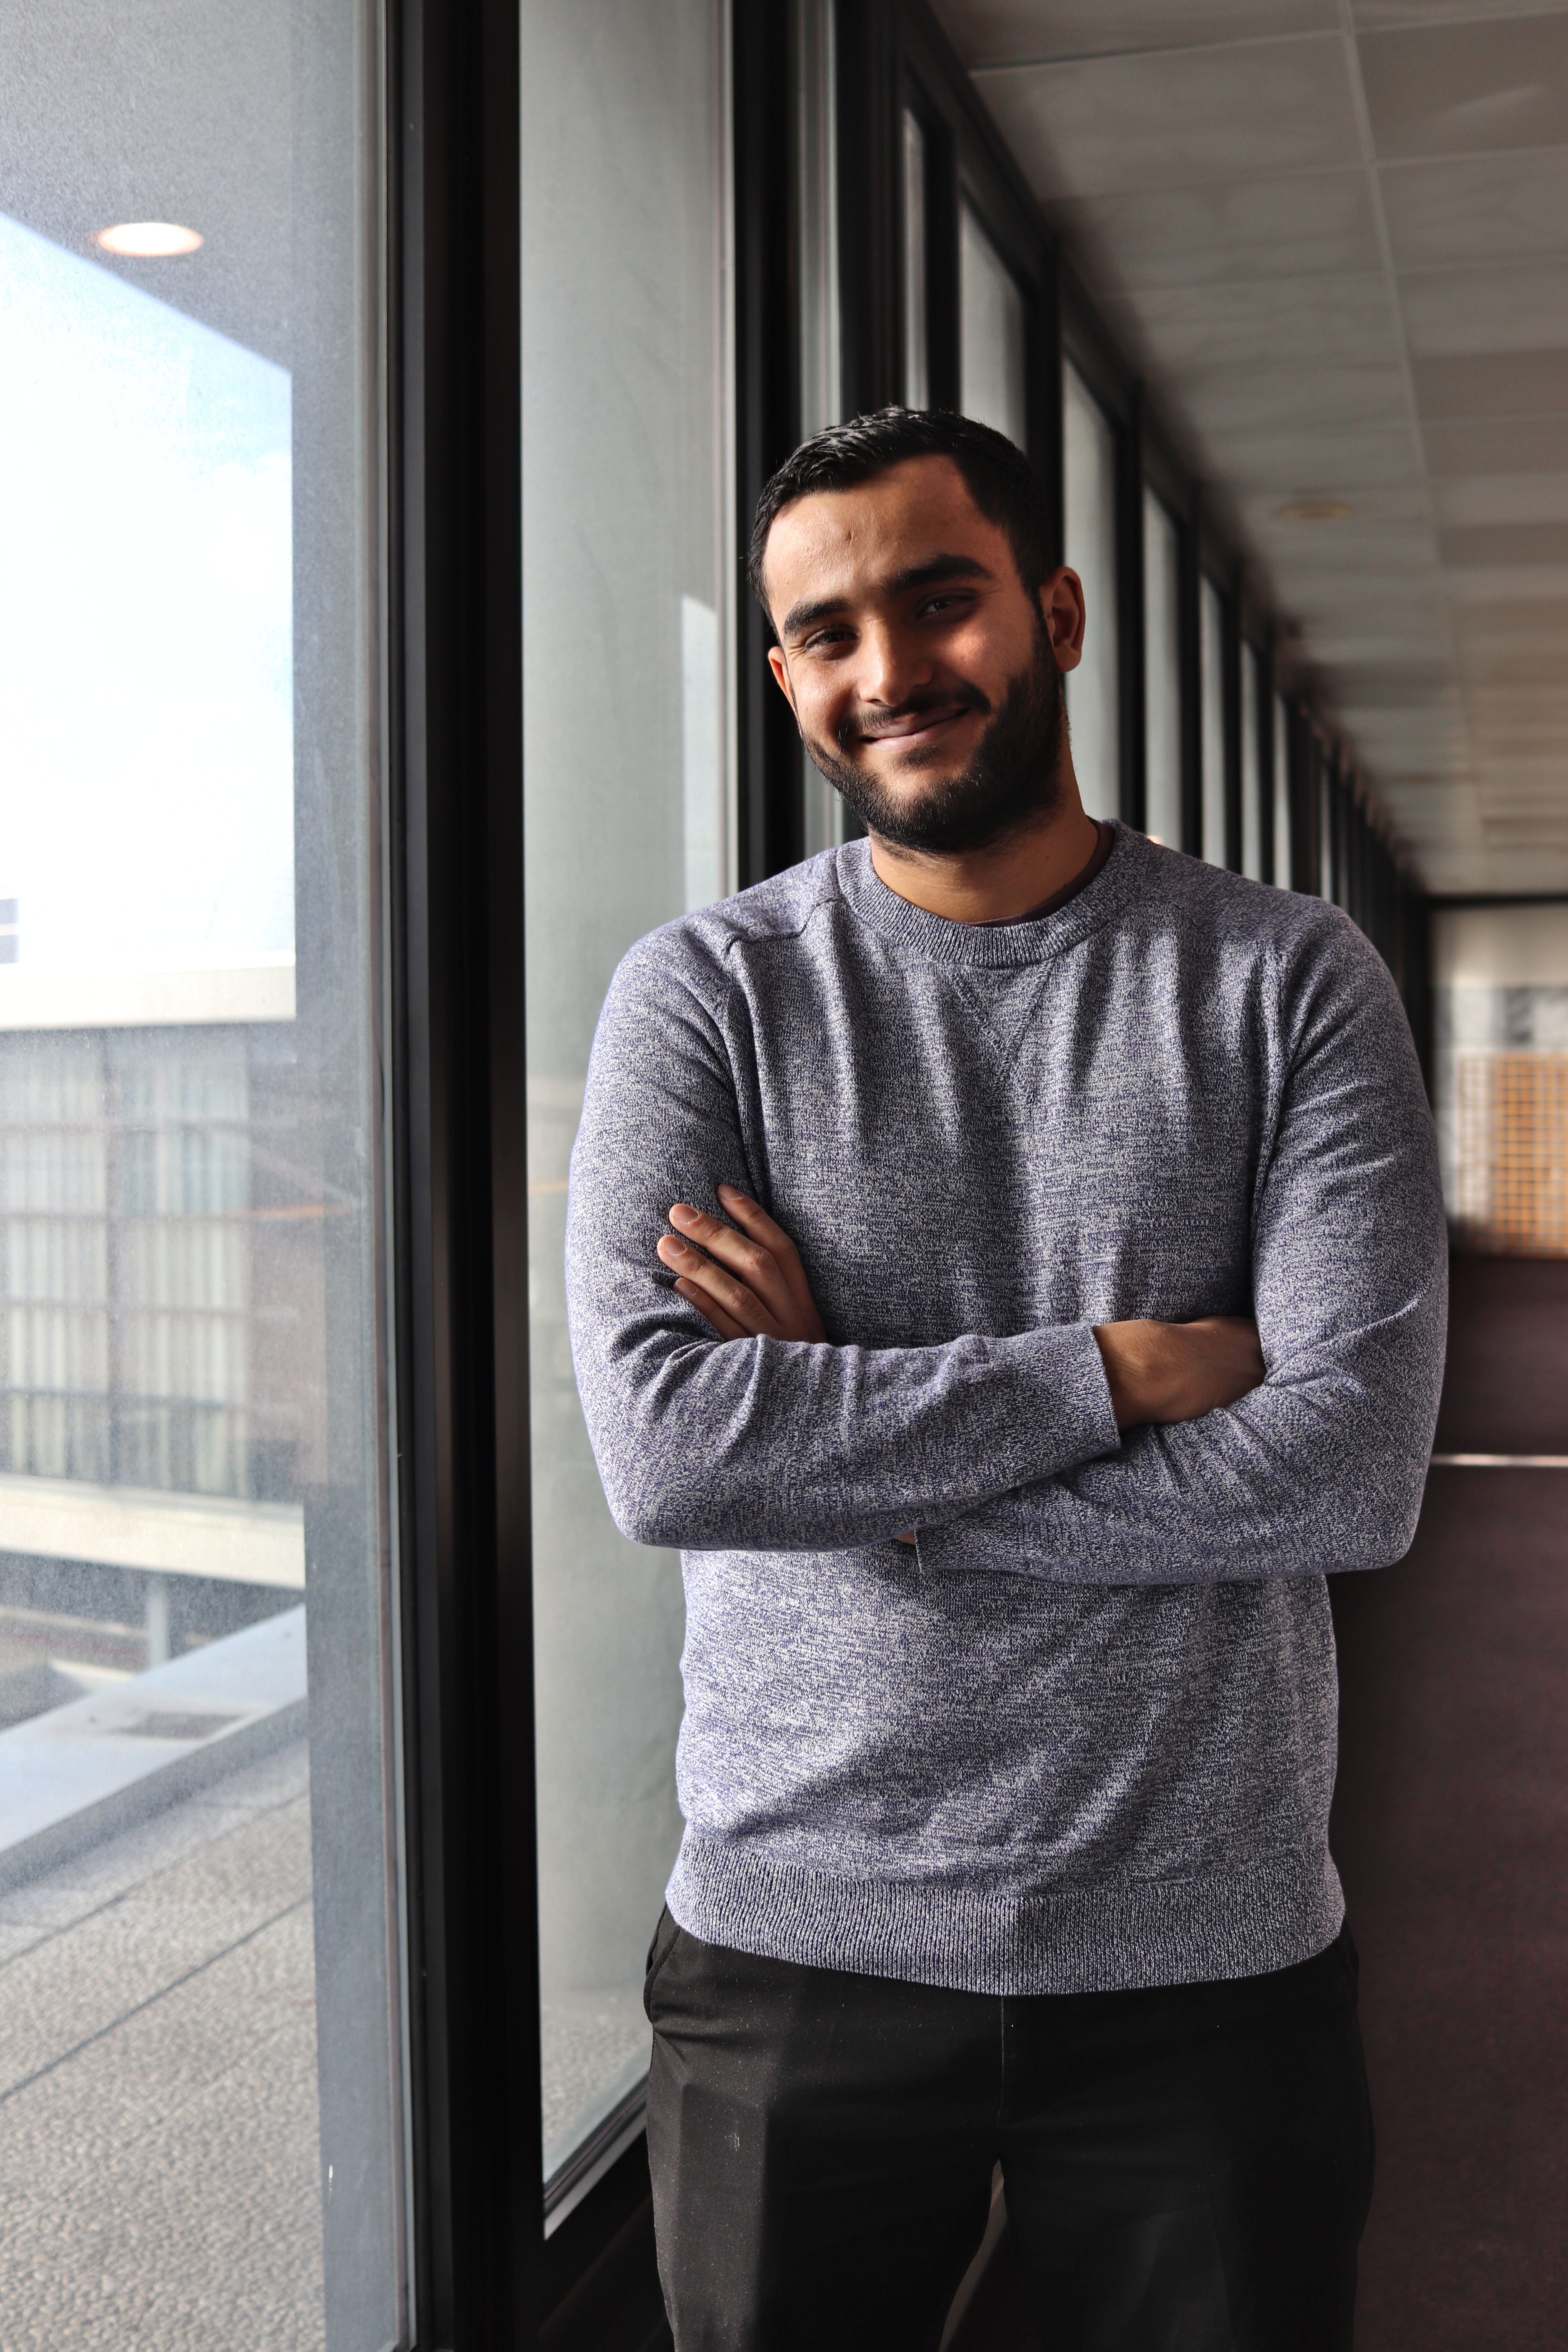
{"points": [[999, 883]]}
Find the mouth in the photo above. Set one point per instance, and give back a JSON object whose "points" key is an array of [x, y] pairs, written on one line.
{"points": [[919, 730]]}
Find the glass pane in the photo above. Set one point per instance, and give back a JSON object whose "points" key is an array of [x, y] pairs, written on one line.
{"points": [[625, 471], [816, 115], [1281, 794], [1162, 672], [821, 392], [1211, 655], [991, 335], [917, 373], [1251, 770], [1089, 465], [196, 1912]]}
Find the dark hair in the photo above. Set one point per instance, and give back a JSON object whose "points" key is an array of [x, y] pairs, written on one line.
{"points": [[998, 477]]}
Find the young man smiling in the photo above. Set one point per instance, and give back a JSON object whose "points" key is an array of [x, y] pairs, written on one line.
{"points": [[1007, 1257]]}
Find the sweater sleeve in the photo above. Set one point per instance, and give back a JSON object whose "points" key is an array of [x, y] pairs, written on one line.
{"points": [[1324, 1467], [765, 1443]]}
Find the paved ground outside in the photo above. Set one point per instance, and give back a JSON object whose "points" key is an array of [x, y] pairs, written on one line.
{"points": [[159, 2169]]}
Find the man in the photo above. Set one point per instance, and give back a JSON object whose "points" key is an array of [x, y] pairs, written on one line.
{"points": [[1059, 1293]]}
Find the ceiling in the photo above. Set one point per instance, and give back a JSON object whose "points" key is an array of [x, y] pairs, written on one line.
{"points": [[1333, 235]]}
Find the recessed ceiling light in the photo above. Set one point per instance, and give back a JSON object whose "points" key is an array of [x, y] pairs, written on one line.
{"points": [[1315, 510], [148, 240]]}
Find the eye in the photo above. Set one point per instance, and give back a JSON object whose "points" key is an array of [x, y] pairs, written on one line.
{"points": [[947, 601], [824, 640]]}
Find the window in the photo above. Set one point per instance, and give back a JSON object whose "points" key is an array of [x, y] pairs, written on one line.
{"points": [[816, 116], [626, 819], [1282, 847], [917, 370], [1163, 671], [991, 335], [821, 375], [1251, 767], [1327, 846], [198, 1925], [1211, 658], [1093, 713]]}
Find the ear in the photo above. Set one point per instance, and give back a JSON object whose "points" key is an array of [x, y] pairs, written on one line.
{"points": [[780, 670], [1061, 609]]}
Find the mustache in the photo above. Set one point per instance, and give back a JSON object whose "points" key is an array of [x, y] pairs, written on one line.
{"points": [[856, 728]]}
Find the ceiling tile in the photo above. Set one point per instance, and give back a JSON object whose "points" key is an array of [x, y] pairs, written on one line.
{"points": [[1502, 497], [1520, 306], [1180, 120], [1498, 445], [1512, 384], [1324, 465], [1502, 583], [1373, 15], [1229, 400], [1476, 207], [1467, 89], [1317, 226], [1505, 543], [1316, 319], [1002, 32]]}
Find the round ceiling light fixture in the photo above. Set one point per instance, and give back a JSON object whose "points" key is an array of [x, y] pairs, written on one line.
{"points": [[1315, 510], [148, 240]]}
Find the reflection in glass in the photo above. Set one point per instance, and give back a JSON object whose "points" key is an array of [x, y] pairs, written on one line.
{"points": [[197, 1860], [1090, 469], [1251, 769], [627, 824], [917, 373], [1282, 874], [1162, 672], [991, 335], [1211, 673]]}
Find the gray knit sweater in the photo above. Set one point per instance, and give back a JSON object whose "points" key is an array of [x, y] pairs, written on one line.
{"points": [[1083, 1737]]}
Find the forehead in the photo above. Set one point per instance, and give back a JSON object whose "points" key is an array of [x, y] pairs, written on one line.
{"points": [[842, 542]]}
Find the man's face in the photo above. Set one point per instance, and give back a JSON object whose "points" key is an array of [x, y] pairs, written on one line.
{"points": [[925, 679]]}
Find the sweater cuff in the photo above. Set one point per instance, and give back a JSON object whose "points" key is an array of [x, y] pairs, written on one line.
{"points": [[1075, 1422], [1079, 1421]]}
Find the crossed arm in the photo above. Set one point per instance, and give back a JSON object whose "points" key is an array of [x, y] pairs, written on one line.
{"points": [[1126, 1453], [747, 1281]]}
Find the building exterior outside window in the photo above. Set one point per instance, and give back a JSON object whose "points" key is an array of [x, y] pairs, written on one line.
{"points": [[199, 1863]]}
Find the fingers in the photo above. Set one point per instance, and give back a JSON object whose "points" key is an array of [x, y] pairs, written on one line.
{"points": [[711, 1311], [709, 1285], [749, 1261], [754, 1219]]}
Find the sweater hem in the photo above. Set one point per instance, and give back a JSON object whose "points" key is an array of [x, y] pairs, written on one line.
{"points": [[1146, 1932]]}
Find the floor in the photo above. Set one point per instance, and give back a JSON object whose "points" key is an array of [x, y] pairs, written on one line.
{"points": [[159, 2164], [1451, 1833]]}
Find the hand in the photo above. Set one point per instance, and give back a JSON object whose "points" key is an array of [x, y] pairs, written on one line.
{"points": [[1179, 1372], [750, 1284]]}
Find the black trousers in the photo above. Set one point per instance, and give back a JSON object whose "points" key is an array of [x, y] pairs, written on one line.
{"points": [[1187, 2169]]}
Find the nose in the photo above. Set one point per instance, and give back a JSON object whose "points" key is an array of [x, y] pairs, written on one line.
{"points": [[891, 666]]}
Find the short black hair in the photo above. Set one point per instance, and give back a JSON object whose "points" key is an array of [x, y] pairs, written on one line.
{"points": [[996, 474]]}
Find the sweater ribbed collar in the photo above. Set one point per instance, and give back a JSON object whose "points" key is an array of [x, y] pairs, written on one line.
{"points": [[998, 945]]}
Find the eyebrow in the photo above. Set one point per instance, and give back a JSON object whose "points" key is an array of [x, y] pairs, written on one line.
{"points": [[918, 575]]}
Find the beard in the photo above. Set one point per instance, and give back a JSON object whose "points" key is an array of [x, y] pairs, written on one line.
{"points": [[1012, 781]]}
